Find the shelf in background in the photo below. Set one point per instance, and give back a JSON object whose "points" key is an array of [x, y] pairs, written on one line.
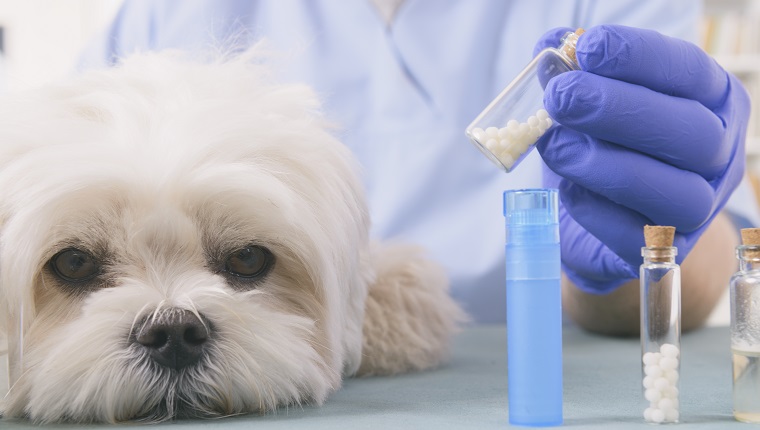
{"points": [[731, 34], [753, 146], [741, 65]]}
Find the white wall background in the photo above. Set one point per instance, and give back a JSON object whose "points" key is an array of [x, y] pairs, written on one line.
{"points": [[44, 38]]}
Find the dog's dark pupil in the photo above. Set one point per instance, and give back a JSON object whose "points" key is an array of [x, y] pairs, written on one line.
{"points": [[248, 262], [76, 262], [74, 265], [78, 265], [246, 255]]}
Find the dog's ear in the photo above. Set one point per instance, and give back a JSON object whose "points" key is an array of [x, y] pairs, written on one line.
{"points": [[409, 316], [30, 122]]}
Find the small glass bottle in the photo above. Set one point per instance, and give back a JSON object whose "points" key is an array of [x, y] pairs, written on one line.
{"points": [[660, 279], [745, 328], [508, 128], [534, 307]]}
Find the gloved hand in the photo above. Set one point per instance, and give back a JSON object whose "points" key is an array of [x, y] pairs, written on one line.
{"points": [[652, 132]]}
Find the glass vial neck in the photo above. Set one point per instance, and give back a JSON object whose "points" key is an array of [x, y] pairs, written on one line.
{"points": [[749, 257], [659, 254], [568, 42]]}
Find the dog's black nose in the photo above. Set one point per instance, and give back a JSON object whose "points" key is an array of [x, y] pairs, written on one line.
{"points": [[175, 339]]}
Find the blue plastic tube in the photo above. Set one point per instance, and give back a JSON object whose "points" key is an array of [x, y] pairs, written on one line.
{"points": [[534, 307]]}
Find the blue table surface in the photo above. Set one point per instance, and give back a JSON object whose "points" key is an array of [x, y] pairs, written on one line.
{"points": [[601, 390]]}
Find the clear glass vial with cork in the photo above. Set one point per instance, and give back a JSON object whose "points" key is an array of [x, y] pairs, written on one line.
{"points": [[745, 328], [508, 128], [660, 278]]}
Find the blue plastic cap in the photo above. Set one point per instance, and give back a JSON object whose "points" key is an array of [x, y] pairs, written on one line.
{"points": [[537, 206]]}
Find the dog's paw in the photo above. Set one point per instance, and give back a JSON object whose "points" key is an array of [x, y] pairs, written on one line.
{"points": [[410, 316]]}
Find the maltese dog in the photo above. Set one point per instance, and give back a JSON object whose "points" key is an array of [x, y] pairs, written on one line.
{"points": [[187, 239]]}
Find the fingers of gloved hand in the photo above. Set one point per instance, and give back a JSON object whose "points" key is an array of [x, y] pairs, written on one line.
{"points": [[645, 57], [679, 131], [587, 261], [619, 228], [659, 192], [736, 113], [625, 235], [648, 58]]}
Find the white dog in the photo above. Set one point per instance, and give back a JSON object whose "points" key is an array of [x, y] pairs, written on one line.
{"points": [[186, 239]]}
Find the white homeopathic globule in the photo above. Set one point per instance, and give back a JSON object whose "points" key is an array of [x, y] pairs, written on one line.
{"points": [[510, 142], [661, 384]]}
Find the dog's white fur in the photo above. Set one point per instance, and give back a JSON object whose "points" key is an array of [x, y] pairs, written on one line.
{"points": [[161, 167]]}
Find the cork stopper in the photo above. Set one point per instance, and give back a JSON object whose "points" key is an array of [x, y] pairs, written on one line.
{"points": [[657, 236], [568, 43], [750, 236]]}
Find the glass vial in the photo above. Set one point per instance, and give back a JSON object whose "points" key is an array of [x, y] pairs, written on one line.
{"points": [[534, 307], [508, 128], [660, 279], [745, 328]]}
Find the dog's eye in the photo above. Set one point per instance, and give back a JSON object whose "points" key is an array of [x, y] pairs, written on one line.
{"points": [[73, 265], [250, 262]]}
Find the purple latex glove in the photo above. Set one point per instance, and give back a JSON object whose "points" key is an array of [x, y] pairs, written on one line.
{"points": [[652, 132]]}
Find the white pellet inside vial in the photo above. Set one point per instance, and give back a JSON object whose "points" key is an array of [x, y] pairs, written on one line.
{"points": [[510, 142], [661, 377]]}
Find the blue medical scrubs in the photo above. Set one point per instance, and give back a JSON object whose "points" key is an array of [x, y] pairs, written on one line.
{"points": [[402, 95]]}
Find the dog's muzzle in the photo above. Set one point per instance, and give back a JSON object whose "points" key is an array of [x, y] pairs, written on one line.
{"points": [[174, 339]]}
